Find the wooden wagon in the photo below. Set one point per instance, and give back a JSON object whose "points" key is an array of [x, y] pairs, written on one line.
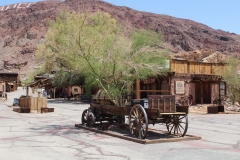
{"points": [[156, 109]]}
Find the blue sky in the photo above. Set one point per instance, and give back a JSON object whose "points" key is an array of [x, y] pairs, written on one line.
{"points": [[217, 14]]}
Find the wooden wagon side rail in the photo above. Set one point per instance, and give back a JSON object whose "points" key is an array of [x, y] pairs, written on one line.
{"points": [[110, 109], [154, 91], [164, 103]]}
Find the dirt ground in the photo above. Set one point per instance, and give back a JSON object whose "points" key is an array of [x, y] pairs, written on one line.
{"points": [[202, 109]]}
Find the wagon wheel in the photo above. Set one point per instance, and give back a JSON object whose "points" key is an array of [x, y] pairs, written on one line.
{"points": [[138, 122], [88, 118], [186, 101], [177, 125]]}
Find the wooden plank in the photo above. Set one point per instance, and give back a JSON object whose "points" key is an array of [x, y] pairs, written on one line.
{"points": [[154, 135], [44, 110], [152, 113], [138, 89], [176, 113], [164, 103], [154, 91], [110, 109]]}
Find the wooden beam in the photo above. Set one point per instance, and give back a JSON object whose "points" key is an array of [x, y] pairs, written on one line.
{"points": [[138, 89], [154, 91], [54, 92], [201, 86], [27, 91]]}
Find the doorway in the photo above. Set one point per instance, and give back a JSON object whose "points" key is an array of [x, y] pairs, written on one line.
{"points": [[203, 92]]}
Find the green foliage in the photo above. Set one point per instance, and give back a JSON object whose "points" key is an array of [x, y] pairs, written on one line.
{"points": [[231, 75], [63, 78], [104, 53], [32, 75]]}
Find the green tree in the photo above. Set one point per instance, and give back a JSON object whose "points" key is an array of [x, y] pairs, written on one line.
{"points": [[106, 54], [232, 77], [64, 78]]}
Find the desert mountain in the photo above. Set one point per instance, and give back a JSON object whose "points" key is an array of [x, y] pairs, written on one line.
{"points": [[23, 26]]}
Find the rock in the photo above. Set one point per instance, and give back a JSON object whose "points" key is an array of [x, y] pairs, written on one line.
{"points": [[31, 35], [27, 50], [8, 41], [26, 27]]}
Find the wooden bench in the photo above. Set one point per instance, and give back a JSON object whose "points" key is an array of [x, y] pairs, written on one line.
{"points": [[46, 110], [25, 110]]}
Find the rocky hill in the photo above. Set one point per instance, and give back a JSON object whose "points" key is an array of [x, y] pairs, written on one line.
{"points": [[23, 26]]}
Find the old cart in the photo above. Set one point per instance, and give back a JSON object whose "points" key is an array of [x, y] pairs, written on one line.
{"points": [[156, 109]]}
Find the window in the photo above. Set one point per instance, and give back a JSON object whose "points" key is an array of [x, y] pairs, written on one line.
{"points": [[222, 88], [75, 89]]}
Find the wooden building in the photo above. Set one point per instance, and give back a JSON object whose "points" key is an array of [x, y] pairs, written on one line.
{"points": [[44, 82], [185, 78], [8, 81]]}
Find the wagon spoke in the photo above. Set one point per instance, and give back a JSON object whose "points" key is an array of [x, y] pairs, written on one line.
{"points": [[143, 118], [181, 126], [180, 130], [182, 122], [182, 118], [171, 128], [137, 112], [134, 113], [174, 129]]}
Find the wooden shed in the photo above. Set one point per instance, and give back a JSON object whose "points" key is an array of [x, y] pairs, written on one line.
{"points": [[8, 81], [198, 79]]}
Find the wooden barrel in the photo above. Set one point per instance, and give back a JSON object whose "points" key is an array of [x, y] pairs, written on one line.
{"points": [[101, 98]]}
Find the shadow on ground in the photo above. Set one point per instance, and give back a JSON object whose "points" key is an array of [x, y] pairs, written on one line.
{"points": [[62, 101]]}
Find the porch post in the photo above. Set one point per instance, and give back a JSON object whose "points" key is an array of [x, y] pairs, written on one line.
{"points": [[27, 91], [219, 95], [137, 88], [201, 86], [54, 92]]}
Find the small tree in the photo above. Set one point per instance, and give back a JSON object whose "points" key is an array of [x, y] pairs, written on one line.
{"points": [[106, 54], [231, 75]]}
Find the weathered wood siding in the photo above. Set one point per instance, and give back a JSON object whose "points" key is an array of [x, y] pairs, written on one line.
{"points": [[200, 68], [179, 66], [185, 67]]}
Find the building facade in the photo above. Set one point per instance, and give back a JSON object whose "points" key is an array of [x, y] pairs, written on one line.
{"points": [[186, 78]]}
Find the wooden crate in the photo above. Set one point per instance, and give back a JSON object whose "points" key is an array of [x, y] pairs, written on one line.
{"points": [[182, 109], [164, 103], [24, 110], [34, 103]]}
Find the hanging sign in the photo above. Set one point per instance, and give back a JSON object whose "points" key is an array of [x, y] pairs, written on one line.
{"points": [[179, 87]]}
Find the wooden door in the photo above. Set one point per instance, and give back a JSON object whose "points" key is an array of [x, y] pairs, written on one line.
{"points": [[203, 92], [206, 93], [198, 92]]}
